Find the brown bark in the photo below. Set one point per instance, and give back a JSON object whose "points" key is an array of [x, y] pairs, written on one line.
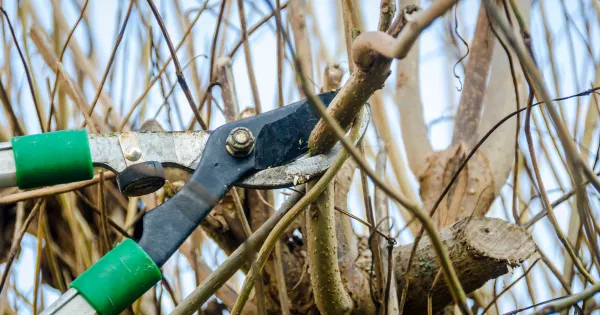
{"points": [[370, 75], [352, 27], [224, 76], [471, 100], [347, 246], [480, 248], [330, 295], [297, 16]]}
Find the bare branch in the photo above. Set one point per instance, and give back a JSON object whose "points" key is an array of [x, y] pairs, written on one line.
{"points": [[480, 249], [27, 72], [53, 190], [297, 12], [387, 9], [248, 56], [499, 102], [352, 27], [178, 71], [329, 292], [412, 122], [224, 76], [471, 99], [398, 48], [372, 69]]}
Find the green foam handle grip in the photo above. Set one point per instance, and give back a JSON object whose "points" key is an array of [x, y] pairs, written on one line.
{"points": [[118, 279], [52, 158]]}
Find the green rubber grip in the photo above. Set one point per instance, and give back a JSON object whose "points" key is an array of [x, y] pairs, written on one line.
{"points": [[118, 279], [52, 158]]}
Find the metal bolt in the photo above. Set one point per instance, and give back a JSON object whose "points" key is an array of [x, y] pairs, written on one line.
{"points": [[133, 154], [240, 142]]}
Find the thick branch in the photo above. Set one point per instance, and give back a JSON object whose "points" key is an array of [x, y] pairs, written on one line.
{"points": [[500, 100], [408, 98], [347, 242], [363, 82], [480, 248], [471, 99], [329, 292], [371, 53], [398, 48]]}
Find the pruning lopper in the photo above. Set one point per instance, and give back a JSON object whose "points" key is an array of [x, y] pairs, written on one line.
{"points": [[264, 152]]}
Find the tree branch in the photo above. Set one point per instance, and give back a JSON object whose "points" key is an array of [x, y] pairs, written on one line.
{"points": [[297, 16], [178, 70], [352, 27], [398, 48], [499, 100], [328, 290], [412, 122], [387, 9], [371, 53], [382, 214], [480, 249], [471, 99], [248, 56]]}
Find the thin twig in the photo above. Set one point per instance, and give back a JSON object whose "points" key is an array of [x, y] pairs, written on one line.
{"points": [[27, 73], [256, 26], [98, 212], [546, 200], [38, 259], [60, 58], [178, 71], [140, 98], [280, 52], [508, 287], [16, 245], [376, 258], [258, 282], [213, 56], [248, 56], [569, 301], [53, 190], [111, 58], [12, 118]]}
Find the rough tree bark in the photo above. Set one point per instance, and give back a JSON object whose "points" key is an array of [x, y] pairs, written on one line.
{"points": [[481, 249]]}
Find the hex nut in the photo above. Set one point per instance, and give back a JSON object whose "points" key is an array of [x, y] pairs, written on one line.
{"points": [[240, 142]]}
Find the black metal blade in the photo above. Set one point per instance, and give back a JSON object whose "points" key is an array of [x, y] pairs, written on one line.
{"points": [[286, 139]]}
